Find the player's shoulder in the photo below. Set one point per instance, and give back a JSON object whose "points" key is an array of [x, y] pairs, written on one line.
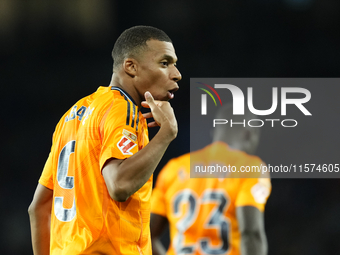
{"points": [[254, 159], [89, 99], [244, 157], [177, 162], [120, 104], [176, 167], [183, 159], [108, 94]]}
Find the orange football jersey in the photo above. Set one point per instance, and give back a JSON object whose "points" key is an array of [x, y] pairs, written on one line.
{"points": [[202, 211], [84, 219]]}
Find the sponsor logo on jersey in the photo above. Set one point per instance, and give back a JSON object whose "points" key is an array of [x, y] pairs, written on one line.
{"points": [[182, 175], [130, 135], [260, 192], [125, 145]]}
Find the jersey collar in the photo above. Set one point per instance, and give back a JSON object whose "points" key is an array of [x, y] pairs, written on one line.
{"points": [[124, 92]]}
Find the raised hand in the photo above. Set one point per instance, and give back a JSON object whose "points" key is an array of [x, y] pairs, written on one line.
{"points": [[162, 113]]}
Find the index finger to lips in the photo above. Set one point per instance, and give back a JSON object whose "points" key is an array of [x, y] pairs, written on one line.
{"points": [[158, 102]]}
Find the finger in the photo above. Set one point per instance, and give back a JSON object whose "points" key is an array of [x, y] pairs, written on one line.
{"points": [[153, 124], [157, 102], [145, 104], [150, 100], [147, 115]]}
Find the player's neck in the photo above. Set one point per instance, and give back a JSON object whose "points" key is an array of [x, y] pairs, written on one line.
{"points": [[118, 81]]}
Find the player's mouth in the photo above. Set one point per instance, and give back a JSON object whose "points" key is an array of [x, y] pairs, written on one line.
{"points": [[171, 93]]}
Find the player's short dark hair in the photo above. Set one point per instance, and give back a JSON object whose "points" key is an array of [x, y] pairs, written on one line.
{"points": [[133, 40]]}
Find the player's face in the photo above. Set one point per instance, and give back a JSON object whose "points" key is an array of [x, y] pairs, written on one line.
{"points": [[157, 71]]}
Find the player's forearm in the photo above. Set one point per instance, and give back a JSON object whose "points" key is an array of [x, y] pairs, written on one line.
{"points": [[254, 243], [134, 172], [40, 219]]}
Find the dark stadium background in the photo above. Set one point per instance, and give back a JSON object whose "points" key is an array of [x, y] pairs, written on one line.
{"points": [[54, 52]]}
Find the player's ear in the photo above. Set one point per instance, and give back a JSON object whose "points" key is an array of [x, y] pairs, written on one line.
{"points": [[130, 66]]}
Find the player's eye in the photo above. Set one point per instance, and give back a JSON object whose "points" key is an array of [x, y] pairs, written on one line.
{"points": [[165, 63]]}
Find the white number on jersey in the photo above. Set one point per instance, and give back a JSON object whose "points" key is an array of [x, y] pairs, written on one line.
{"points": [[65, 182]]}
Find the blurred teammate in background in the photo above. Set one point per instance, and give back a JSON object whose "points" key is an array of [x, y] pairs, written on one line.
{"points": [[93, 196], [213, 215]]}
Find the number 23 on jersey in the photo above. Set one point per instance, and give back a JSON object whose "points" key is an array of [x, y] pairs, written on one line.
{"points": [[196, 219]]}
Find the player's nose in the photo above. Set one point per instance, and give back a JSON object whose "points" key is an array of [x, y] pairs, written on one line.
{"points": [[175, 74]]}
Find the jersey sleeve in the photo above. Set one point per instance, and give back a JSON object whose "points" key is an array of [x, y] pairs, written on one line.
{"points": [[46, 178], [254, 192], [119, 136], [158, 199]]}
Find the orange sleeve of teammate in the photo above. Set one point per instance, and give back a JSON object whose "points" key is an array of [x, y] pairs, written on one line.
{"points": [[158, 201], [254, 192], [119, 136]]}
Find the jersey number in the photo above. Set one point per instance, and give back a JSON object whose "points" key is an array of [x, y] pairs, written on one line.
{"points": [[65, 182], [215, 220]]}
